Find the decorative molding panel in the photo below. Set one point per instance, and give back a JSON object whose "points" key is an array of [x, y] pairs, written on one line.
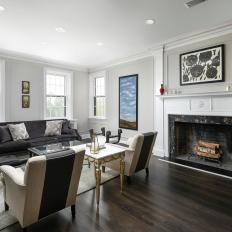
{"points": [[200, 104]]}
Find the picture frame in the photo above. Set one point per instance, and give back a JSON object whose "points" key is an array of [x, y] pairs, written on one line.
{"points": [[128, 102], [202, 66], [25, 101], [25, 87]]}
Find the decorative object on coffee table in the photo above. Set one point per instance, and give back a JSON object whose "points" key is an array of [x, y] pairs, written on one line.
{"points": [[25, 87], [94, 148], [25, 101], [202, 66], [128, 102]]}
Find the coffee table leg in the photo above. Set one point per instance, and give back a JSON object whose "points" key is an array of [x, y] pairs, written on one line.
{"points": [[98, 181], [122, 171]]}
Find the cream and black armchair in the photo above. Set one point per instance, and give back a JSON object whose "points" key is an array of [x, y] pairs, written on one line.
{"points": [[48, 184], [137, 155]]}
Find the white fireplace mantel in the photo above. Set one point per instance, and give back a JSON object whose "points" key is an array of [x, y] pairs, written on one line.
{"points": [[211, 104], [211, 94]]}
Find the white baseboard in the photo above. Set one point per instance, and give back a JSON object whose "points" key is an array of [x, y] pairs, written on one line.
{"points": [[197, 169]]}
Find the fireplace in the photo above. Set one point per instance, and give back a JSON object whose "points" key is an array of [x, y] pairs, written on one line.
{"points": [[192, 139]]}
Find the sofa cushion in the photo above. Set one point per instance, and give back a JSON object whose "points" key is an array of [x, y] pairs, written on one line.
{"points": [[5, 135], [13, 146], [42, 141], [36, 129], [66, 137], [53, 128], [18, 131]]}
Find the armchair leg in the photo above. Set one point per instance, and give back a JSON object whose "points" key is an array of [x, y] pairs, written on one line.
{"points": [[147, 171], [103, 169], [89, 164], [128, 180], [6, 206], [73, 210], [25, 230]]}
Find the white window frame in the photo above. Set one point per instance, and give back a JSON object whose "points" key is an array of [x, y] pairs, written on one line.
{"points": [[68, 91], [2, 91], [92, 82]]}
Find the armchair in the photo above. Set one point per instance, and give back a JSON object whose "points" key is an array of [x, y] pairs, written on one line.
{"points": [[49, 184], [138, 154]]}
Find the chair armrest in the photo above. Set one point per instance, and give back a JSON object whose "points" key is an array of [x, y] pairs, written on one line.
{"points": [[13, 173]]}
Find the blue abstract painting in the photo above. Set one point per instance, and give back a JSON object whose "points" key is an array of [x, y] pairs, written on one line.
{"points": [[128, 102]]}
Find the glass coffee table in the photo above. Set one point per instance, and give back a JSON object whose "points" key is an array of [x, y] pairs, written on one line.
{"points": [[52, 148], [110, 153]]}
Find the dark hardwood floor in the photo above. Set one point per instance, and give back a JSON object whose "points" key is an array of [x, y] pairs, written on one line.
{"points": [[172, 199]]}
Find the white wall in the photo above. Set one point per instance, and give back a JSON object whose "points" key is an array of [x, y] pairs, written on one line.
{"points": [[172, 67], [17, 71], [144, 68], [192, 104]]}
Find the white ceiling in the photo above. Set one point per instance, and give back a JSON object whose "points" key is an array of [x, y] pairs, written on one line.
{"points": [[119, 24]]}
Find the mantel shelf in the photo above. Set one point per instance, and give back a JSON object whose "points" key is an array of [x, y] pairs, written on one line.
{"points": [[229, 93]]}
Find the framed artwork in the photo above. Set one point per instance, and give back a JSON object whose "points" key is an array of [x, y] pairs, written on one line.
{"points": [[25, 101], [128, 102], [202, 66], [25, 87]]}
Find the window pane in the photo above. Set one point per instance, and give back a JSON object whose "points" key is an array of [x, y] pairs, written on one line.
{"points": [[55, 84], [99, 105], [56, 107], [100, 86]]}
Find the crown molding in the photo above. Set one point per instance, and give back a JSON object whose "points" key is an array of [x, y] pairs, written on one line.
{"points": [[175, 42], [135, 57], [39, 60], [198, 36]]}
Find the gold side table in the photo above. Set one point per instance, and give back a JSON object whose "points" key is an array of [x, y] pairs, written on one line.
{"points": [[109, 153]]}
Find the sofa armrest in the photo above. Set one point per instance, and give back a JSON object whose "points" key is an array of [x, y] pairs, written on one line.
{"points": [[13, 173]]}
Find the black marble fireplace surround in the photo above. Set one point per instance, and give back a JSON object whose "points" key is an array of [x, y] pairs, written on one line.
{"points": [[186, 130]]}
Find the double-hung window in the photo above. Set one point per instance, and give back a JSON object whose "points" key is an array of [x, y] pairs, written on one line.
{"points": [[58, 102], [99, 97]]}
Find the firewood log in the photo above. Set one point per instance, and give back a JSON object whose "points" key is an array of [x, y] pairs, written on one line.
{"points": [[207, 155], [207, 150], [208, 145]]}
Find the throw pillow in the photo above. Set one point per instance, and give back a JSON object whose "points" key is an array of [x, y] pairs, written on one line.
{"points": [[5, 135], [66, 129], [53, 128], [18, 131]]}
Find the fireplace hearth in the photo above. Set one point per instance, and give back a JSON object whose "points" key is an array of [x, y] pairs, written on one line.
{"points": [[201, 141]]}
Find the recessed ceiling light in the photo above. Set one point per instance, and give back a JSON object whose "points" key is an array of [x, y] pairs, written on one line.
{"points": [[150, 21], [60, 29], [2, 8], [99, 44]]}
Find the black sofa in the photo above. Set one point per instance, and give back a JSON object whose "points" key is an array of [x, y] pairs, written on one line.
{"points": [[15, 152]]}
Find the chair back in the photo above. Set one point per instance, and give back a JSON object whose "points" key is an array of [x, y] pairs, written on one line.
{"points": [[52, 183], [146, 150]]}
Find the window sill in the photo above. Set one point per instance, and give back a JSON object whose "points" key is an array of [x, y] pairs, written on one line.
{"points": [[97, 118]]}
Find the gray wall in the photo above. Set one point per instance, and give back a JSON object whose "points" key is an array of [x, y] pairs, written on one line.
{"points": [[18, 70], [172, 67], [144, 68]]}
